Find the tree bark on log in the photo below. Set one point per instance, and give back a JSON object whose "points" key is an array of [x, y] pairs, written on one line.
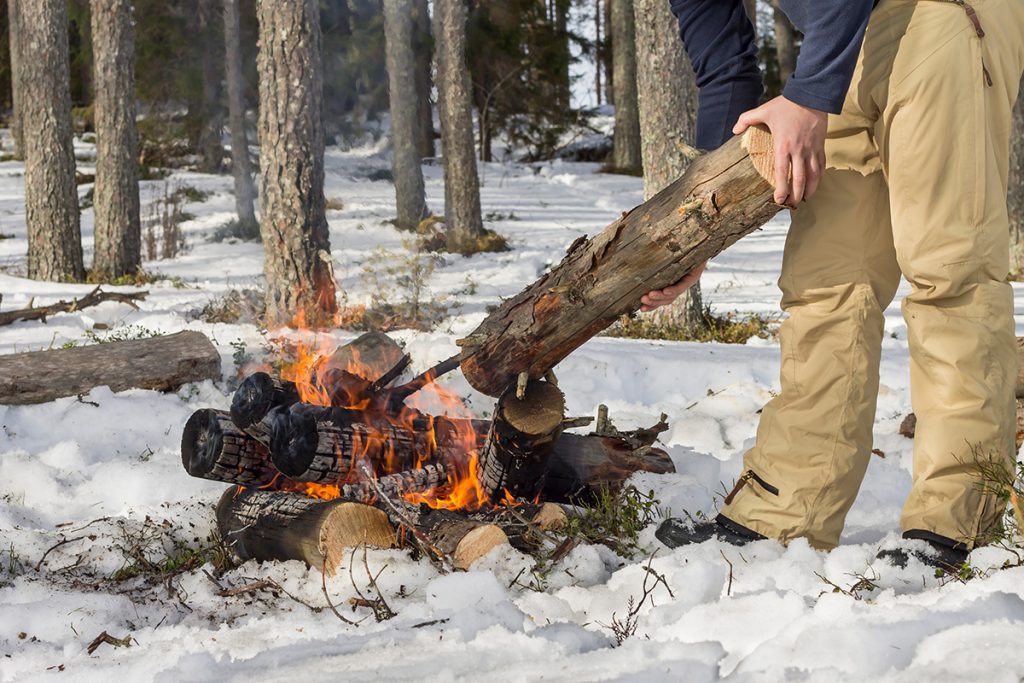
{"points": [[723, 196], [162, 363], [275, 525], [462, 539], [522, 436], [582, 466], [213, 448]]}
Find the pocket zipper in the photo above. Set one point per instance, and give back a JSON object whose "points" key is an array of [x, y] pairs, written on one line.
{"points": [[742, 481]]}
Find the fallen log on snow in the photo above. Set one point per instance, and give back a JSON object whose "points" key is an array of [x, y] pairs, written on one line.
{"points": [[723, 196], [163, 363], [276, 525], [93, 298]]}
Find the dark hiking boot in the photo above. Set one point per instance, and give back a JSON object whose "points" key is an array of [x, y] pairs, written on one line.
{"points": [[942, 553], [674, 532]]}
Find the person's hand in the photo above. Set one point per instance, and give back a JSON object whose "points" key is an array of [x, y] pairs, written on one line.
{"points": [[798, 136], [663, 297]]}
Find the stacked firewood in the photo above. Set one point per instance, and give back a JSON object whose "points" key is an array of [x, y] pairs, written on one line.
{"points": [[368, 451]]}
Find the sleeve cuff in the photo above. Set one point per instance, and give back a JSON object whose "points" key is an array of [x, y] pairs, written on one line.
{"points": [[795, 92]]}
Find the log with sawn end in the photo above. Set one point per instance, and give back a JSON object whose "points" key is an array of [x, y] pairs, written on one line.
{"points": [[276, 525], [723, 196]]}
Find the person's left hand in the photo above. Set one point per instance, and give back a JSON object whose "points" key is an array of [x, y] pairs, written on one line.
{"points": [[798, 137], [663, 297]]}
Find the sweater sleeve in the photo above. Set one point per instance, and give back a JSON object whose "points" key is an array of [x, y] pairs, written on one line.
{"points": [[833, 32], [719, 39]]}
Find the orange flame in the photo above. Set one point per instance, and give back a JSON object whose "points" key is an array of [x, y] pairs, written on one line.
{"points": [[322, 379]]}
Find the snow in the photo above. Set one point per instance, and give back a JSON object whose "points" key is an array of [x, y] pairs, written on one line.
{"points": [[103, 471]]}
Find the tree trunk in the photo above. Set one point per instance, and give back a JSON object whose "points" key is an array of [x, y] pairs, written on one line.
{"points": [[1015, 196], [298, 266], [51, 198], [463, 221], [118, 234], [161, 363], [406, 170], [608, 55], [598, 51], [751, 7], [667, 97], [423, 48], [785, 43], [275, 525], [563, 82], [14, 39], [626, 139], [241, 166], [723, 196], [211, 119]]}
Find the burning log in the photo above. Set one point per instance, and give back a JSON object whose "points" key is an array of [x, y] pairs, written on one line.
{"points": [[275, 525], [212, 447], [723, 196], [321, 444], [464, 540], [520, 441], [357, 369], [163, 363], [395, 485]]}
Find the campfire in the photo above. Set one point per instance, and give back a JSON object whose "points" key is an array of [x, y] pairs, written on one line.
{"points": [[331, 451]]}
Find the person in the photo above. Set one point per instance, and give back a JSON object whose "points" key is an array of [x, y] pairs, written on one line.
{"points": [[891, 144]]}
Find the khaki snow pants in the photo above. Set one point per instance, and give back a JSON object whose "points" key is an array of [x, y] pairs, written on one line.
{"points": [[915, 184]]}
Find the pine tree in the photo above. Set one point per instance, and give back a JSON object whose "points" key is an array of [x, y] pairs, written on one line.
{"points": [[667, 95], [785, 42], [406, 170], [626, 138], [463, 222], [241, 166], [51, 197], [297, 260], [116, 202], [14, 38]]}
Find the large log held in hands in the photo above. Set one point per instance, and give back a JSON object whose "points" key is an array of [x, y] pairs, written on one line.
{"points": [[163, 363], [724, 195]]}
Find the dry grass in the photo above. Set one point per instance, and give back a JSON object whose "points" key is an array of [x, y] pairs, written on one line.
{"points": [[730, 328]]}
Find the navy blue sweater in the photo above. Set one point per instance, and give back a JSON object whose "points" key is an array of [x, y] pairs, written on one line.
{"points": [[719, 38]]}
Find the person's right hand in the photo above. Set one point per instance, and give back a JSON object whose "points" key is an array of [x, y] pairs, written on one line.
{"points": [[663, 297]]}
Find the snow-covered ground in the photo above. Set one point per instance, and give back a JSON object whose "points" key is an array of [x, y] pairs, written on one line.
{"points": [[102, 473]]}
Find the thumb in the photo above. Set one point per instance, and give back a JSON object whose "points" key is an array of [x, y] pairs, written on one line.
{"points": [[748, 119]]}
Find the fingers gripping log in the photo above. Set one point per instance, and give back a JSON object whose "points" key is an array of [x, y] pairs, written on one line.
{"points": [[723, 196]]}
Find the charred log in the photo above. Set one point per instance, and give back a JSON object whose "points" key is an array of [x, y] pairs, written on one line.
{"points": [[521, 439], [274, 525], [212, 447]]}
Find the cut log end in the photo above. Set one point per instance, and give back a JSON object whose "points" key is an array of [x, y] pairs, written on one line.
{"points": [[463, 540], [350, 525], [757, 140], [212, 447], [540, 411], [257, 395], [276, 525]]}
